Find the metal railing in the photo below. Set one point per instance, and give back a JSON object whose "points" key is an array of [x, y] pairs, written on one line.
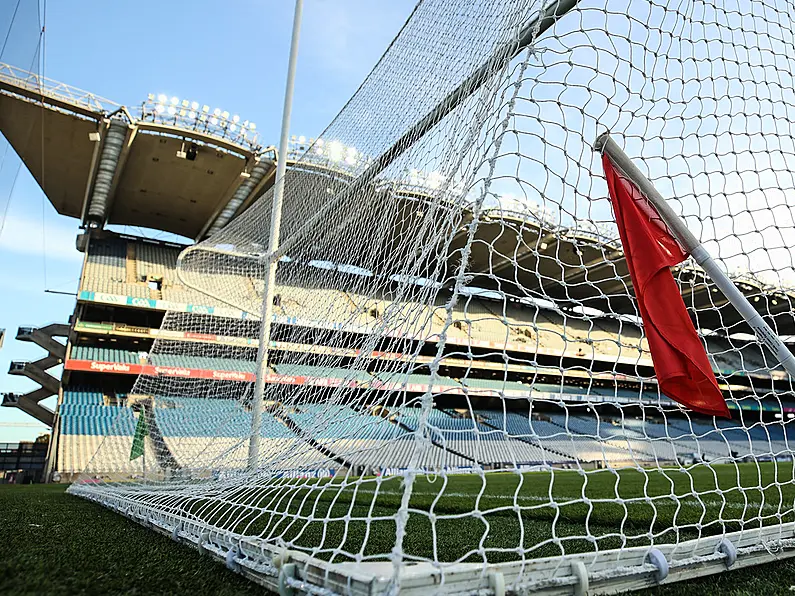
{"points": [[191, 115], [182, 115], [55, 90]]}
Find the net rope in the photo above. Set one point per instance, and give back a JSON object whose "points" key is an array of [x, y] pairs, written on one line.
{"points": [[457, 371]]}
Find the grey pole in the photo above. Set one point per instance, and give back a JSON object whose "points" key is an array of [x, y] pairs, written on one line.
{"points": [[606, 145], [273, 245]]}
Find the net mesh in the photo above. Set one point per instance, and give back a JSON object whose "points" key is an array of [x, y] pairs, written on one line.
{"points": [[456, 369]]}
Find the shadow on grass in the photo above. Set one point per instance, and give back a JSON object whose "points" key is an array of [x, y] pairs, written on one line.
{"points": [[54, 543]]}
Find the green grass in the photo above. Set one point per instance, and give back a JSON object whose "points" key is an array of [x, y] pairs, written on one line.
{"points": [[521, 515], [52, 542]]}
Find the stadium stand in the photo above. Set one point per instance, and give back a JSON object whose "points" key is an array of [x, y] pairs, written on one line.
{"points": [[128, 284], [134, 268], [480, 319]]}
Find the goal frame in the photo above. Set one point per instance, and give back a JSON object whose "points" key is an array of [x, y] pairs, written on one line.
{"points": [[614, 571], [291, 571]]}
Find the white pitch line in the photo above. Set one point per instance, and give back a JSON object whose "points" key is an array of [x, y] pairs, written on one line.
{"points": [[654, 501]]}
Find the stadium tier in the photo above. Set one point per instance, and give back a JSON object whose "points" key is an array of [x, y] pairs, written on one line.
{"points": [[120, 269], [125, 269], [382, 440]]}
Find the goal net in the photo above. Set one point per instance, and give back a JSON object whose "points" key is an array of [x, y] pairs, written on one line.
{"points": [[457, 392]]}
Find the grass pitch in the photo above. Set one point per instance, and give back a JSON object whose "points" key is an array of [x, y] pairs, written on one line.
{"points": [[54, 543], [505, 516], [51, 542]]}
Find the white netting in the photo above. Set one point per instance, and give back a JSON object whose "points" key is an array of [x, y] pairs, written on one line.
{"points": [[455, 337]]}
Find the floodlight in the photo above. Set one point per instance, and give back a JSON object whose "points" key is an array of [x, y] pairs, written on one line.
{"points": [[205, 109], [336, 151], [232, 128], [217, 112], [194, 105], [302, 139], [160, 108], [172, 110], [151, 97], [235, 118], [185, 103], [225, 115], [434, 180], [319, 142], [213, 120], [192, 115], [174, 101], [162, 98], [252, 126]]}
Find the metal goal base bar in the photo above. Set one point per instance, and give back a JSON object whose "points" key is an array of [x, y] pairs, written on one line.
{"points": [[606, 572]]}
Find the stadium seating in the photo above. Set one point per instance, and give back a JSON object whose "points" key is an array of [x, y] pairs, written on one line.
{"points": [[199, 430], [495, 385], [103, 354], [155, 260], [192, 427], [107, 259], [123, 267], [319, 372]]}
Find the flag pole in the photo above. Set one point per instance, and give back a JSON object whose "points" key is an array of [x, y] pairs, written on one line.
{"points": [[607, 146]]}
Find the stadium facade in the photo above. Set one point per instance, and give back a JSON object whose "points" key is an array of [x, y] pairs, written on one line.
{"points": [[181, 167]]}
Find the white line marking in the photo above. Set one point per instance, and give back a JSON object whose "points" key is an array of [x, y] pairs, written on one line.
{"points": [[660, 501]]}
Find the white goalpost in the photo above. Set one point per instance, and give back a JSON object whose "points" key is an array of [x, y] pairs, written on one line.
{"points": [[429, 368]]}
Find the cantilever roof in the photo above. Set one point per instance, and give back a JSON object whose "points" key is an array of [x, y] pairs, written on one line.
{"points": [[53, 129]]}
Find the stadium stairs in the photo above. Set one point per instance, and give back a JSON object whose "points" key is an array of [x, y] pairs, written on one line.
{"points": [[36, 371]]}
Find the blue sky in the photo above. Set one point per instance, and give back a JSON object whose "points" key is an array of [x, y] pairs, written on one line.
{"points": [[230, 55]]}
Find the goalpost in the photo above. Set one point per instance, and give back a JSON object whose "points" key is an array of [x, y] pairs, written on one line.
{"points": [[459, 395]]}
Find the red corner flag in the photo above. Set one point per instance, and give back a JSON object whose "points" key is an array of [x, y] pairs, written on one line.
{"points": [[681, 365]]}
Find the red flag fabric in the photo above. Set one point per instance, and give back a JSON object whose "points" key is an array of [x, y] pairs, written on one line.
{"points": [[680, 362]]}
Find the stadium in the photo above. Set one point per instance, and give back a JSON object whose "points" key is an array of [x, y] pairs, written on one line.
{"points": [[440, 379]]}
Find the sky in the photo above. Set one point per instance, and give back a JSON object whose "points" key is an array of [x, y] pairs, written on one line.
{"points": [[231, 55]]}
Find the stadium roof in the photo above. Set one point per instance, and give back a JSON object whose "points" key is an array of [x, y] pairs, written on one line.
{"points": [[527, 257], [575, 267], [169, 165]]}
